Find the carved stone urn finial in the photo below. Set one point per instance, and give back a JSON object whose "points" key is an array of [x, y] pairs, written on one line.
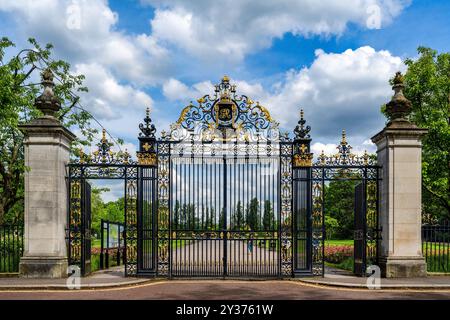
{"points": [[399, 107], [47, 102]]}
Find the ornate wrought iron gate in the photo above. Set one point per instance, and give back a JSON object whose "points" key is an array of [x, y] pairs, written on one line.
{"points": [[364, 173], [222, 209], [225, 214], [223, 194], [79, 230]]}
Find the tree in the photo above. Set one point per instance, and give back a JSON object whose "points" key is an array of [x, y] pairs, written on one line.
{"points": [[268, 218], [212, 218], [176, 215], [253, 215], [239, 216], [17, 95], [184, 217], [113, 211], [331, 226], [222, 214], [427, 82], [339, 205]]}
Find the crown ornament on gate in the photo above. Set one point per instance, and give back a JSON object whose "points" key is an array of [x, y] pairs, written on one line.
{"points": [[147, 142], [225, 116], [302, 132], [302, 156], [344, 156], [104, 154]]}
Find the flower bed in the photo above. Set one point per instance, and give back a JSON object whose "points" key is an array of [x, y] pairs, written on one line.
{"points": [[338, 253]]}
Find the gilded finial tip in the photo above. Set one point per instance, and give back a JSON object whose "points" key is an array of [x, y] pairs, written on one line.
{"points": [[344, 140]]}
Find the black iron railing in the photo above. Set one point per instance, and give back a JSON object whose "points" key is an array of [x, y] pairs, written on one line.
{"points": [[436, 247], [11, 247], [112, 243]]}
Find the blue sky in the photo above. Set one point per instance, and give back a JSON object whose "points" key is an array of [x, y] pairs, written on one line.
{"points": [[331, 58]]}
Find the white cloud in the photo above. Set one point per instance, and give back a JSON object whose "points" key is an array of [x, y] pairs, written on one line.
{"points": [[175, 90], [232, 29], [338, 91], [116, 189], [107, 98], [136, 58], [328, 148]]}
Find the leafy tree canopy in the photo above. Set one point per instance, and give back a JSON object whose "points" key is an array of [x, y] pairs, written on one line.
{"points": [[19, 86], [427, 82]]}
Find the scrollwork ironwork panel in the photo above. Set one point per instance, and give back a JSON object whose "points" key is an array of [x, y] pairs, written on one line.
{"points": [[163, 207], [74, 227], [286, 209]]}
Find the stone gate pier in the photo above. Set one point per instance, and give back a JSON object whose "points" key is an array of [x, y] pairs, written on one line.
{"points": [[47, 150], [399, 150]]}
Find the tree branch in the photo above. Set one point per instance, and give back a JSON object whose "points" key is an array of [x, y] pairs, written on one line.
{"points": [[441, 198]]}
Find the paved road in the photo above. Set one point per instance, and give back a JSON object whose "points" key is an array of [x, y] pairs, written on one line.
{"points": [[206, 258], [226, 290]]}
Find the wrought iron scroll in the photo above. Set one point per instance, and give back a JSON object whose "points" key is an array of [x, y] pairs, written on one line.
{"points": [[131, 231], [74, 230], [163, 232], [373, 230], [317, 225], [286, 208]]}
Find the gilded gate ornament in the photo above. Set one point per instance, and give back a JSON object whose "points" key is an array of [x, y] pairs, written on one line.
{"points": [[147, 142], [225, 116], [302, 157]]}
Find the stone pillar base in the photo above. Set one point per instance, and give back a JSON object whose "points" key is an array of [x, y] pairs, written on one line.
{"points": [[407, 267], [43, 267]]}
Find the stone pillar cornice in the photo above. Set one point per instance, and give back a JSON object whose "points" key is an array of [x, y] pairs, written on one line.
{"points": [[399, 129], [46, 124]]}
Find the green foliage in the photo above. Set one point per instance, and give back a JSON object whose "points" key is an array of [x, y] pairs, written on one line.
{"points": [[427, 83], [176, 215], [112, 211], [253, 215], [239, 216], [268, 218], [339, 205], [17, 95], [331, 226]]}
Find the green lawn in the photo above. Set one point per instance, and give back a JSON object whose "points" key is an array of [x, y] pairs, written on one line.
{"points": [[339, 242], [347, 264]]}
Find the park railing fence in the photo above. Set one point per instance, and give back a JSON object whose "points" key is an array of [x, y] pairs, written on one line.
{"points": [[11, 247], [436, 246], [112, 244]]}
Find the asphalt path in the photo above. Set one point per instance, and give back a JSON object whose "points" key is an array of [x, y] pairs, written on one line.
{"points": [[226, 290]]}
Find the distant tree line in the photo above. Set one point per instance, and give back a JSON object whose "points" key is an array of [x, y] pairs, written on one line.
{"points": [[248, 217]]}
